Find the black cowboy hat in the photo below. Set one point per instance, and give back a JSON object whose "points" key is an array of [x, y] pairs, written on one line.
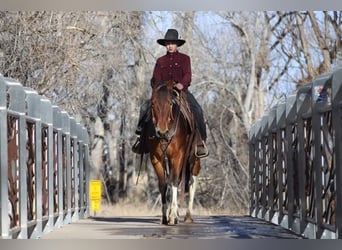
{"points": [[171, 36]]}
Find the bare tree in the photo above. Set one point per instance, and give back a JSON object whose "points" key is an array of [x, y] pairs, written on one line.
{"points": [[309, 42], [97, 65]]}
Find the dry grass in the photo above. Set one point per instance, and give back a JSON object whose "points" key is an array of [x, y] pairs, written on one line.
{"points": [[125, 209], [129, 209], [135, 206]]}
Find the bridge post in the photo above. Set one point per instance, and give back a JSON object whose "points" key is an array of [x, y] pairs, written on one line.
{"points": [[82, 187], [281, 165], [84, 174], [58, 166], [303, 112], [258, 184], [252, 170], [251, 136], [317, 179], [290, 145], [34, 110], [4, 209], [259, 170], [264, 166], [318, 144], [337, 127], [66, 168], [74, 170], [16, 103], [47, 149], [272, 141]]}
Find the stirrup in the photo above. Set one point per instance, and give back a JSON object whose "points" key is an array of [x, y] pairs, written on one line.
{"points": [[204, 154], [138, 131], [136, 146]]}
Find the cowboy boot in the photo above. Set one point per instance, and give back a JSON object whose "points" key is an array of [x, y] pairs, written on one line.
{"points": [[201, 150], [136, 148], [139, 127]]}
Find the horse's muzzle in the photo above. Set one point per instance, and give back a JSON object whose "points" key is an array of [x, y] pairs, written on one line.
{"points": [[161, 134]]}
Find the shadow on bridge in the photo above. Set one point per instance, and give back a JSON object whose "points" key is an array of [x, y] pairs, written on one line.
{"points": [[205, 227], [150, 220]]}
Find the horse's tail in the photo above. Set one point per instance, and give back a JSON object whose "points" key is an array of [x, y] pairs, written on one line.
{"points": [[187, 176], [140, 165]]}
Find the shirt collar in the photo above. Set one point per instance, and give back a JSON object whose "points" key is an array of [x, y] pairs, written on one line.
{"points": [[172, 54]]}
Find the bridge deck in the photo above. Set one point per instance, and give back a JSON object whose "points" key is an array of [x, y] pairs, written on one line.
{"points": [[204, 227]]}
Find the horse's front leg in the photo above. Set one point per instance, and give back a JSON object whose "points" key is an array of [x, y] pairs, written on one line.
{"points": [[163, 191], [175, 178], [173, 216], [158, 168], [192, 189]]}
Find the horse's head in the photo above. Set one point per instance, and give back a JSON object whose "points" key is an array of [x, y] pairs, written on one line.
{"points": [[162, 115]]}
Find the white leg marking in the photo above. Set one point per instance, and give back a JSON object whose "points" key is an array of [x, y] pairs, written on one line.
{"points": [[192, 190], [174, 204]]}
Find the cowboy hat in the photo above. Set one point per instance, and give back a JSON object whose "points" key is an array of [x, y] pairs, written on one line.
{"points": [[171, 35]]}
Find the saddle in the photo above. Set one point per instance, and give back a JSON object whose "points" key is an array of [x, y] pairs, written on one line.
{"points": [[181, 100]]}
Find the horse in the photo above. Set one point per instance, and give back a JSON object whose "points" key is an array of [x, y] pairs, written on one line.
{"points": [[172, 151]]}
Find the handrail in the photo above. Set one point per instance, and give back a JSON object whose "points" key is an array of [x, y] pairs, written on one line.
{"points": [[44, 157], [296, 161]]}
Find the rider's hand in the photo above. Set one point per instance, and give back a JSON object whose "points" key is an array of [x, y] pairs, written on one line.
{"points": [[179, 86]]}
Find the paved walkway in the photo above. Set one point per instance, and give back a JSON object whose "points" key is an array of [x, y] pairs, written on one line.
{"points": [[204, 227]]}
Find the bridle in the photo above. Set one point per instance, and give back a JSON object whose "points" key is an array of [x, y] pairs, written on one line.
{"points": [[166, 140]]}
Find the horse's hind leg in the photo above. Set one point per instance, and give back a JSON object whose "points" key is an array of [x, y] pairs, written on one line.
{"points": [[192, 190]]}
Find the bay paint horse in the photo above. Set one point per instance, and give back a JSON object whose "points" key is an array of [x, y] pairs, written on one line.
{"points": [[172, 149]]}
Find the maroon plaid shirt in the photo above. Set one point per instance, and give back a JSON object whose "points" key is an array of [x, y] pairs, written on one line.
{"points": [[173, 66]]}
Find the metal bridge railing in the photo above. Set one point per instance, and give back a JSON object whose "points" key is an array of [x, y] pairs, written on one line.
{"points": [[296, 161], [44, 164]]}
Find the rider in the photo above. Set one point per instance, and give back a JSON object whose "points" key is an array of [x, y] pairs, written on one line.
{"points": [[175, 66]]}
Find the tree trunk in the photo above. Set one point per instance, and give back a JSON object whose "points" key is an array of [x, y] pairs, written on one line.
{"points": [[122, 158], [305, 48], [97, 150], [325, 66]]}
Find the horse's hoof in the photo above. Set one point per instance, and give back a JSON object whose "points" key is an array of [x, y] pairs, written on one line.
{"points": [[164, 221], [173, 221], [188, 220]]}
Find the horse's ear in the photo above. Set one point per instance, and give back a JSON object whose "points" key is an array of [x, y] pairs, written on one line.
{"points": [[153, 83]]}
